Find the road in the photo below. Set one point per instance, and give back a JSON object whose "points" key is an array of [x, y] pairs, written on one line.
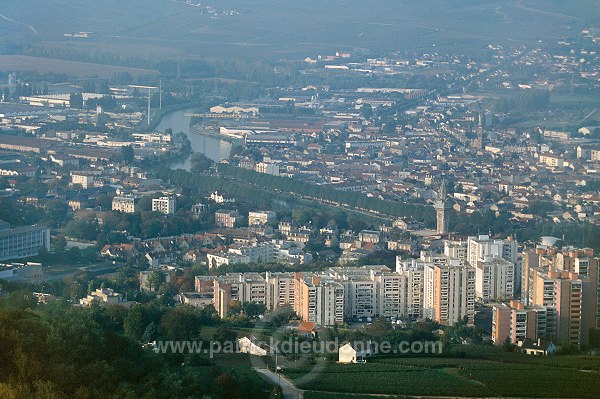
{"points": [[31, 28], [289, 390]]}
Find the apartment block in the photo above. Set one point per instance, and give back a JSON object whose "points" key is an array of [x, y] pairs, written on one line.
{"points": [[319, 299], [482, 246], [449, 293], [412, 280], [22, 242], [226, 218], [165, 204], [85, 180], [456, 250], [495, 280], [516, 322], [260, 218], [125, 204], [280, 289]]}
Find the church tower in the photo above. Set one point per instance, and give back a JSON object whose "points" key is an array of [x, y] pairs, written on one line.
{"points": [[442, 208], [478, 142]]}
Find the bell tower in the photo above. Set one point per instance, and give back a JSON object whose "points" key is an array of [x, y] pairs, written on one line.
{"points": [[442, 208]]}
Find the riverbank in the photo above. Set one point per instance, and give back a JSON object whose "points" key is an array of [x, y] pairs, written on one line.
{"points": [[213, 147], [197, 129], [161, 113]]}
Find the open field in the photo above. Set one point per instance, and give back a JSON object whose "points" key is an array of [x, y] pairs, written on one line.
{"points": [[12, 63], [289, 29], [514, 375]]}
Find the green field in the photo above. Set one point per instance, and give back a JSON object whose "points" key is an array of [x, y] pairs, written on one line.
{"points": [[512, 375], [290, 29]]}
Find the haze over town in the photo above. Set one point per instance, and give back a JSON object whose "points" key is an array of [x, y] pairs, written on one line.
{"points": [[316, 199]]}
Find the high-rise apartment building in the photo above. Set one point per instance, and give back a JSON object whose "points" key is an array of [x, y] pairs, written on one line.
{"points": [[319, 299], [495, 279], [516, 322], [449, 293], [412, 278], [482, 246], [165, 204]]}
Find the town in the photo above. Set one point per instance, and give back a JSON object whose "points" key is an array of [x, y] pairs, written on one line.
{"points": [[399, 197]]}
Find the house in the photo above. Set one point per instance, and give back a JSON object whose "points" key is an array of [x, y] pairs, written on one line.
{"points": [[355, 352], [198, 299], [246, 345], [308, 329], [539, 347], [104, 296]]}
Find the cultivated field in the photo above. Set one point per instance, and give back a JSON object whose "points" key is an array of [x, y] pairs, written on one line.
{"points": [[508, 376], [292, 29], [12, 63]]}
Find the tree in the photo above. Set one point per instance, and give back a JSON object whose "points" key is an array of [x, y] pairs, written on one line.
{"points": [[57, 213], [135, 323], [181, 323], [127, 154], [507, 345], [59, 244], [366, 111], [235, 308], [253, 310], [155, 280], [150, 333], [76, 100]]}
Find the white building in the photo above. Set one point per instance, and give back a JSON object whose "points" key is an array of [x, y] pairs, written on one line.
{"points": [[103, 296], [355, 352], [482, 246], [22, 242], [85, 180], [246, 345], [164, 204], [267, 168], [412, 274], [259, 218], [449, 293], [125, 204], [495, 280]]}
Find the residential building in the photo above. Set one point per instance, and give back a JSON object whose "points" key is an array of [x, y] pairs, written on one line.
{"points": [[226, 218], [449, 293], [482, 246], [85, 180], [165, 204], [412, 275], [103, 296], [24, 241], [319, 300], [125, 204], [260, 218], [516, 322], [495, 280]]}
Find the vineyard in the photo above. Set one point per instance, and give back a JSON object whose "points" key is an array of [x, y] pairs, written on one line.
{"points": [[510, 376]]}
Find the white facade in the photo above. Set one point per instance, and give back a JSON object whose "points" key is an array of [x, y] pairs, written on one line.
{"points": [[259, 218], [495, 280], [84, 180], [482, 246], [125, 204], [164, 205], [22, 242], [449, 293]]}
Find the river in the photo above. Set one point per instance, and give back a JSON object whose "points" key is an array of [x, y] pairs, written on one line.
{"points": [[212, 147]]}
